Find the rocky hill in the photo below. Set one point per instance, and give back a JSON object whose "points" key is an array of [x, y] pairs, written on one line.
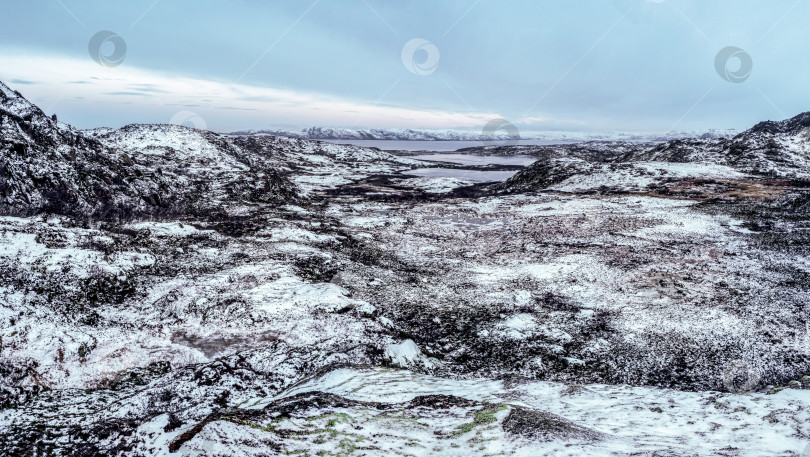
{"points": [[156, 170], [775, 151], [47, 165]]}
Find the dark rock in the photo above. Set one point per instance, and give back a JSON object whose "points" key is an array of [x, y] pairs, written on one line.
{"points": [[542, 426]]}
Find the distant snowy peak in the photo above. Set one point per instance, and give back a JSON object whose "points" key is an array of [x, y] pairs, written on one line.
{"points": [[327, 133]]}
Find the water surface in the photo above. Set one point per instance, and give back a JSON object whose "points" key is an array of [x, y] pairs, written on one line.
{"points": [[469, 159], [469, 175], [438, 146]]}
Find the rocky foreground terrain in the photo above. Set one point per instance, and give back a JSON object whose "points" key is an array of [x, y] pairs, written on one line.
{"points": [[167, 291]]}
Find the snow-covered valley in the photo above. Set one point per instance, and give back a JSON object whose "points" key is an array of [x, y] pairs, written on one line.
{"points": [[168, 291]]}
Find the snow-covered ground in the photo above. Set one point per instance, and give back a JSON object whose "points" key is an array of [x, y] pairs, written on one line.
{"points": [[590, 419], [167, 291]]}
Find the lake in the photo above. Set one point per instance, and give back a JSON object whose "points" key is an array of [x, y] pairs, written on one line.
{"points": [[470, 175], [469, 159], [437, 146]]}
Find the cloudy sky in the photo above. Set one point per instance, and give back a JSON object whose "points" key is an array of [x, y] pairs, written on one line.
{"points": [[637, 65]]}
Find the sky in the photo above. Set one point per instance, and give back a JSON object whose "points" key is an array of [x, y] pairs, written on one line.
{"points": [[582, 65]]}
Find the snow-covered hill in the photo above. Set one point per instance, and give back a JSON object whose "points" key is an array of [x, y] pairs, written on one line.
{"points": [[767, 151], [160, 169], [46, 164]]}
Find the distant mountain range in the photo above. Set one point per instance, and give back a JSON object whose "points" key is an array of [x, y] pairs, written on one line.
{"points": [[327, 133]]}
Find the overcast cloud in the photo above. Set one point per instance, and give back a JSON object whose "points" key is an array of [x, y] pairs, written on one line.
{"points": [[575, 65]]}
